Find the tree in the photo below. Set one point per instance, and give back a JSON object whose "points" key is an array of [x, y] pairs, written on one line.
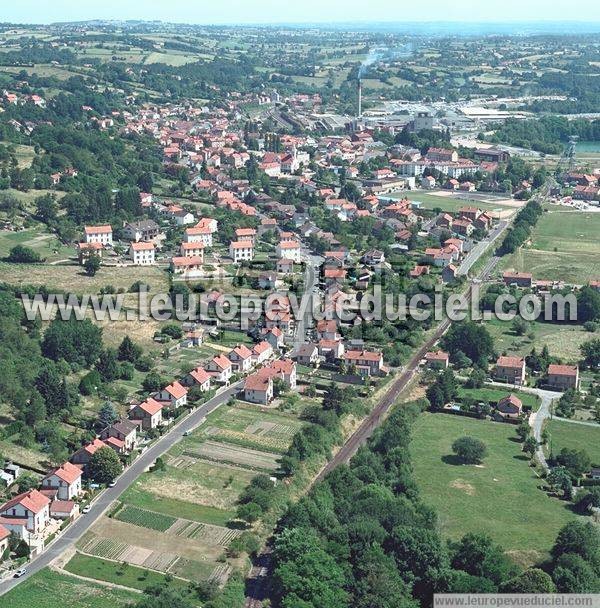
{"points": [[582, 538], [519, 326], [470, 338], [588, 305], [560, 480], [74, 341], [588, 500], [107, 415], [532, 580], [90, 383], [153, 382], [249, 512], [104, 465], [469, 449], [164, 597], [576, 462], [478, 555], [530, 446], [591, 353], [573, 574], [523, 430], [92, 264], [107, 365], [128, 351], [20, 254]]}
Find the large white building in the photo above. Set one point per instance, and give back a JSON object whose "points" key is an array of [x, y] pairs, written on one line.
{"points": [[99, 234], [241, 250], [142, 254]]}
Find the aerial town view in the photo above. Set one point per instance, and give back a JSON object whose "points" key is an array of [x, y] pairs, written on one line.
{"points": [[300, 305]]}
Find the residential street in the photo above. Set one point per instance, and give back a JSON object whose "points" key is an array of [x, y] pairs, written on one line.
{"points": [[81, 525]]}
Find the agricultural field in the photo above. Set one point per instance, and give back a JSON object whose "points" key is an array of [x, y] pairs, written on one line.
{"points": [[118, 573], [500, 497], [244, 425], [185, 546], [575, 437], [49, 589], [564, 246], [562, 340]]}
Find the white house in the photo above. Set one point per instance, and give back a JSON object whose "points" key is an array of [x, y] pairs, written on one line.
{"points": [[148, 413], [258, 388], [30, 510], [262, 352], [142, 254], [241, 357], [175, 394], [124, 432], [189, 267], [241, 250], [290, 250], [66, 480], [192, 250], [198, 234], [99, 234], [220, 368], [245, 234], [274, 336], [198, 377]]}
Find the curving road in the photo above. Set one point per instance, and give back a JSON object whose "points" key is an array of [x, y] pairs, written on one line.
{"points": [[103, 501]]}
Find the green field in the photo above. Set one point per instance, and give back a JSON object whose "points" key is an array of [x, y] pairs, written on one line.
{"points": [[500, 497], [137, 496], [575, 437], [564, 246], [146, 519], [452, 203], [562, 340], [48, 589], [115, 572], [44, 244]]}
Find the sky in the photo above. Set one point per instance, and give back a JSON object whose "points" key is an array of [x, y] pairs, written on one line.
{"points": [[300, 11]]}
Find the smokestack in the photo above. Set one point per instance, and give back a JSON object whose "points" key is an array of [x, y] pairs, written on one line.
{"points": [[359, 98]]}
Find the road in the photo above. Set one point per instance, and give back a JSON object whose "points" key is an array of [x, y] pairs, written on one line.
{"points": [[480, 248], [537, 419], [257, 581], [581, 422], [103, 501], [311, 284]]}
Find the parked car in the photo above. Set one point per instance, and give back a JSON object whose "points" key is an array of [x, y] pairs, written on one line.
{"points": [[86, 509], [20, 572]]}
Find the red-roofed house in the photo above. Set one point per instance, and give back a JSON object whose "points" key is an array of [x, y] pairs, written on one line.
{"points": [[262, 352], [241, 358], [149, 413], [437, 359], [284, 369], [99, 234], [521, 279], [30, 510], [563, 377], [368, 363], [274, 336], [510, 370], [66, 480], [198, 377], [4, 539], [258, 388], [84, 454], [121, 436], [142, 254], [220, 368], [510, 406], [175, 395]]}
